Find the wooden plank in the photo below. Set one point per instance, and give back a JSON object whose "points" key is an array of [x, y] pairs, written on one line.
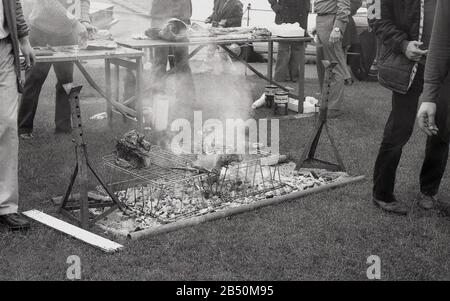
{"points": [[67, 56], [124, 63], [76, 232], [242, 209]]}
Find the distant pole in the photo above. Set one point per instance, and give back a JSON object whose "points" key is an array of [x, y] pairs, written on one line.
{"points": [[249, 8]]}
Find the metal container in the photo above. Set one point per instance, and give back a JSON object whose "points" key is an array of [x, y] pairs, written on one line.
{"points": [[270, 95], [281, 98]]}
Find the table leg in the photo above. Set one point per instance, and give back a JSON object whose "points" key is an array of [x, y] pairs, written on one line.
{"points": [[109, 110], [301, 78], [139, 100], [117, 83], [270, 63]]}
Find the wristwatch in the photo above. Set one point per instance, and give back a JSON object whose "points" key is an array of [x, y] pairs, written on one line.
{"points": [[337, 29]]}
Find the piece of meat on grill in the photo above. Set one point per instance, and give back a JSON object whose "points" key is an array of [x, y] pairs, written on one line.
{"points": [[134, 149]]}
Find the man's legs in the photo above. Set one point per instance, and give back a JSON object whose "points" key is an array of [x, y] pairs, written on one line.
{"points": [[159, 69], [437, 149], [63, 118], [333, 52], [398, 130], [320, 68], [34, 80], [283, 59], [295, 60], [9, 144], [185, 86]]}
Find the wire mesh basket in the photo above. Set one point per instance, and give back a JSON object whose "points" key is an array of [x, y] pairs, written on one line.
{"points": [[170, 189]]}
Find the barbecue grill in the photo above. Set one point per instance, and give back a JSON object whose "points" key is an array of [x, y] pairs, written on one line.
{"points": [[171, 189]]}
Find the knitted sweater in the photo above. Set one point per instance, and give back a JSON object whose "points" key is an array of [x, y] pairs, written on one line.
{"points": [[58, 16], [438, 62], [163, 10]]}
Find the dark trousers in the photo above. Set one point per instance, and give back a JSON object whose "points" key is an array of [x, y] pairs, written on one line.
{"points": [[184, 82], [34, 80], [398, 131], [288, 60]]}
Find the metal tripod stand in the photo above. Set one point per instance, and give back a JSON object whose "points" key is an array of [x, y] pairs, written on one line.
{"points": [[308, 159], [83, 166]]}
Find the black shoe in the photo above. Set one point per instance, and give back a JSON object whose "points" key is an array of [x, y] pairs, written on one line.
{"points": [[15, 221], [349, 82], [395, 206], [427, 202]]}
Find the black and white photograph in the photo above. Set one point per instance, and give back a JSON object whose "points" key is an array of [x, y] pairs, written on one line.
{"points": [[225, 148]]}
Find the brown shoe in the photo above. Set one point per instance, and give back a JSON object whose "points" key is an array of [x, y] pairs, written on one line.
{"points": [[395, 207], [427, 202]]}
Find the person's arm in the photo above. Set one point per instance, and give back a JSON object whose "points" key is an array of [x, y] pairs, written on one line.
{"points": [[23, 35], [22, 27], [438, 59], [383, 24], [355, 5], [436, 70], [276, 7], [85, 18], [85, 8], [343, 11], [213, 15]]}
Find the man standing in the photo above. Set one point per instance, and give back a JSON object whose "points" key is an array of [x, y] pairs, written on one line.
{"points": [[331, 25], [226, 13], [288, 59], [161, 12], [54, 23], [433, 113], [13, 37], [404, 29]]}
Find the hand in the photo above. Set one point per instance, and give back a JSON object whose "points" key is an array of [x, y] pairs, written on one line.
{"points": [[27, 52], [335, 37], [91, 29], [425, 117], [81, 30], [413, 52]]}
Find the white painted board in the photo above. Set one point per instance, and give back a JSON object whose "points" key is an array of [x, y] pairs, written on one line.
{"points": [[76, 232]]}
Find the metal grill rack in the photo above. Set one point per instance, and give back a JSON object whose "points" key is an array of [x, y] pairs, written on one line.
{"points": [[170, 182]]}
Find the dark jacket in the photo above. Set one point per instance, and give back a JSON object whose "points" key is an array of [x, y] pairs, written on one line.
{"points": [[17, 27], [291, 11], [229, 10], [438, 59], [163, 10], [395, 25], [351, 34]]}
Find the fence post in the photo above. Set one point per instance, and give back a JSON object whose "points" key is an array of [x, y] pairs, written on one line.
{"points": [[249, 8]]}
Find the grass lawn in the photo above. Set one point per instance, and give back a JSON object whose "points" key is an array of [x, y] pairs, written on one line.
{"points": [[322, 237]]}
